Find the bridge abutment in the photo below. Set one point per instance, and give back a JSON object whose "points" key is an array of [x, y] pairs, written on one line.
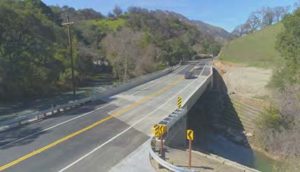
{"points": [[176, 135]]}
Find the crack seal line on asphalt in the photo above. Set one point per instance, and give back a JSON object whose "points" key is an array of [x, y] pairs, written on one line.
{"points": [[114, 114]]}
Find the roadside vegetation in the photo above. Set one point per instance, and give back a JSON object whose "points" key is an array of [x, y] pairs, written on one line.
{"points": [[34, 56], [281, 131], [275, 47]]}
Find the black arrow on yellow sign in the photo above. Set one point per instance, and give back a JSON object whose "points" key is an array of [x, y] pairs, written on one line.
{"points": [[190, 135]]}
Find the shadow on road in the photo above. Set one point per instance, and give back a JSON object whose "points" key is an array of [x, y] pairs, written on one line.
{"points": [[29, 133], [11, 138], [200, 167], [218, 129]]}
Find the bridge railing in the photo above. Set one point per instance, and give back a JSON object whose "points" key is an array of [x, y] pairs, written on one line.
{"points": [[175, 116], [115, 89]]}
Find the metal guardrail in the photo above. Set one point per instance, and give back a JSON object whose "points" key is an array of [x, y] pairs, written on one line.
{"points": [[39, 115], [165, 163]]}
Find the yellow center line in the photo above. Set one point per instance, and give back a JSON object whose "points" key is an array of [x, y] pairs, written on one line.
{"points": [[114, 114]]}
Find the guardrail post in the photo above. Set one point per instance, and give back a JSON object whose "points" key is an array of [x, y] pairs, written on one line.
{"points": [[52, 109], [162, 147], [161, 150]]}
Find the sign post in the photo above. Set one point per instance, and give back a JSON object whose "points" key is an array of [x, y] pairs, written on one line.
{"points": [[161, 145], [158, 131], [163, 129], [190, 137], [190, 153]]}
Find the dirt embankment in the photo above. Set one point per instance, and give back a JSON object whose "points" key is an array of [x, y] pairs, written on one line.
{"points": [[249, 96], [248, 82]]}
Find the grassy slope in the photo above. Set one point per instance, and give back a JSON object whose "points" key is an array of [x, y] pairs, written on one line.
{"points": [[256, 49]]}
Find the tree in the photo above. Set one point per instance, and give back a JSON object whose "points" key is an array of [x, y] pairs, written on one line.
{"points": [[253, 22], [87, 14], [241, 30], [287, 44], [261, 18], [283, 138], [268, 16], [117, 11], [33, 48], [41, 7], [30, 52], [76, 15], [121, 49], [280, 12], [110, 15]]}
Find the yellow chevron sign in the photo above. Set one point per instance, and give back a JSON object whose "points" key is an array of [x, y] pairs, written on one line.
{"points": [[190, 135], [159, 129], [179, 102], [155, 130], [162, 129]]}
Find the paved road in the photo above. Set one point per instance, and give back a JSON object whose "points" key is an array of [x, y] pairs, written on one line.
{"points": [[98, 136]]}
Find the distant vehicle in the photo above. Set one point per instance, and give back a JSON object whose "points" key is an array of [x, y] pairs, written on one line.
{"points": [[198, 67], [202, 56], [189, 75]]}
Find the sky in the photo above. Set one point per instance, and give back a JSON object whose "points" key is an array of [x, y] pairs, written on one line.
{"points": [[223, 13]]}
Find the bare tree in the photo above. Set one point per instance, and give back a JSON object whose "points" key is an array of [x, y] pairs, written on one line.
{"points": [[117, 11], [127, 56], [280, 12], [111, 15], [237, 31], [296, 5], [268, 16], [253, 22], [241, 30], [261, 18]]}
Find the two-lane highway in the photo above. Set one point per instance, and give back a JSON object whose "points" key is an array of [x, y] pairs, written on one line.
{"points": [[97, 136]]}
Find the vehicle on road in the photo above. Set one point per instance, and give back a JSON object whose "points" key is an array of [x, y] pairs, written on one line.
{"points": [[189, 75]]}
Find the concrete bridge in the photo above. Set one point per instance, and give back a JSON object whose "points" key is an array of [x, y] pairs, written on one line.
{"points": [[109, 131]]}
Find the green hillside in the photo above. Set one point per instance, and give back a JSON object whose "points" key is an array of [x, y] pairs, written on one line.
{"points": [[256, 49]]}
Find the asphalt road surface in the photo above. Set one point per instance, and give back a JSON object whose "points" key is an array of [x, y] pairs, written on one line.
{"points": [[97, 136]]}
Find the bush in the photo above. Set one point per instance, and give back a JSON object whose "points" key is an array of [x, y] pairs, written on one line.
{"points": [[271, 119]]}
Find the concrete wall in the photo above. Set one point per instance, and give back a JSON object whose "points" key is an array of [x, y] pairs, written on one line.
{"points": [[176, 133], [176, 136]]}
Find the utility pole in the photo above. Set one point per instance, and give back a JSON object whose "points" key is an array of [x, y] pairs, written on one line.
{"points": [[125, 69], [68, 24]]}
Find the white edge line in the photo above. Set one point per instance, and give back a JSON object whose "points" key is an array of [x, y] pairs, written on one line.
{"points": [[116, 136], [57, 125]]}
